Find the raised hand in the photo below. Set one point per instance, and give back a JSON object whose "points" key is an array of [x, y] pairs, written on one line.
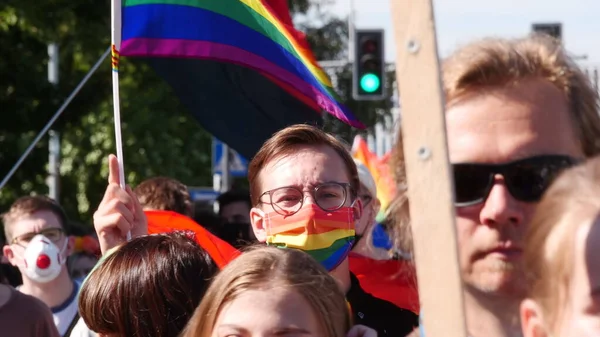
{"points": [[119, 212]]}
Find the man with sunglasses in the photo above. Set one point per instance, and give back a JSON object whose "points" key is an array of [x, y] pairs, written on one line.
{"points": [[518, 112], [303, 186], [38, 244]]}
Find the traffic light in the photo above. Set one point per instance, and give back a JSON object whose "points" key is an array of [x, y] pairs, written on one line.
{"points": [[552, 29], [368, 80]]}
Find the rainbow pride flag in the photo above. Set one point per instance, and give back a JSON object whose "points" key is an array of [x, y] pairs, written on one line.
{"points": [[242, 33], [380, 170]]}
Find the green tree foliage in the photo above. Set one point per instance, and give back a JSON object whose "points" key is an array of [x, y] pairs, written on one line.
{"points": [[160, 137], [328, 35]]}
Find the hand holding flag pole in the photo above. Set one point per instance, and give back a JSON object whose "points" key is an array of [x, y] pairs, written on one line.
{"points": [[115, 12]]}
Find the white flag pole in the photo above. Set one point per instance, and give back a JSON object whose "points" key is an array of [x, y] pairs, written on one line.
{"points": [[115, 14]]}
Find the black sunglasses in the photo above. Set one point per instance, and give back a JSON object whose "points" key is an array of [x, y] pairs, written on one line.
{"points": [[526, 179]]}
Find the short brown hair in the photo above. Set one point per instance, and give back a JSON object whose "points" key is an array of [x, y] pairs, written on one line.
{"points": [[497, 62], [288, 140], [264, 267], [572, 201], [165, 194], [150, 286], [28, 205]]}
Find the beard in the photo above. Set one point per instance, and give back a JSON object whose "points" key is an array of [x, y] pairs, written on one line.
{"points": [[496, 277]]}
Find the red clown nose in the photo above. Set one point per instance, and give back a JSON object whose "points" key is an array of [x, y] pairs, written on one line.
{"points": [[43, 261]]}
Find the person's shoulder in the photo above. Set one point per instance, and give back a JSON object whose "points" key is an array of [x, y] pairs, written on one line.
{"points": [[37, 314], [31, 303], [387, 318], [384, 306]]}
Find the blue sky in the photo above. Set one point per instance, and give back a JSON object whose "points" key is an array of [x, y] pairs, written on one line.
{"points": [[460, 21]]}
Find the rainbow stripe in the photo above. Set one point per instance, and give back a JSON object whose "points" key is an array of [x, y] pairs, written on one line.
{"points": [[114, 61], [244, 32], [380, 170]]}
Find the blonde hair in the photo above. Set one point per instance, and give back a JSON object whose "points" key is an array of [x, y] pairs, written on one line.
{"points": [[264, 267], [496, 62], [571, 202]]}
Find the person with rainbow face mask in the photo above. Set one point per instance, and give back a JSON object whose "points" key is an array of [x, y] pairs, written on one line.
{"points": [[303, 186]]}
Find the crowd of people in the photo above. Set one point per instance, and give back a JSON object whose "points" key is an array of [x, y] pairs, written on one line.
{"points": [[294, 255]]}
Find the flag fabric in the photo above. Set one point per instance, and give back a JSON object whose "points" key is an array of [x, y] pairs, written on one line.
{"points": [[232, 62], [391, 280], [380, 170], [166, 221]]}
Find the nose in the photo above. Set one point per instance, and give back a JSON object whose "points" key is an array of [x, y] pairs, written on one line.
{"points": [[501, 208], [43, 261], [308, 199]]}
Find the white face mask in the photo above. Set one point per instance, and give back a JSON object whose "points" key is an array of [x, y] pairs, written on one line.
{"points": [[42, 260]]}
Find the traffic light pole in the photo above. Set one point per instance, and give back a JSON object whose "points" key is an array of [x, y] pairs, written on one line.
{"points": [[351, 32]]}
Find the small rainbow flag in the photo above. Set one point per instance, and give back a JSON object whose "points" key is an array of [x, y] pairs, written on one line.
{"points": [[240, 32], [380, 170]]}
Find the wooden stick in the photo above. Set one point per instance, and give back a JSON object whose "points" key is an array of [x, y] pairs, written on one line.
{"points": [[428, 171]]}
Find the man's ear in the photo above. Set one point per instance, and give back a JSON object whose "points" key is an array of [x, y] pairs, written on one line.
{"points": [[70, 245], [376, 206], [532, 319], [9, 254], [257, 218], [357, 208]]}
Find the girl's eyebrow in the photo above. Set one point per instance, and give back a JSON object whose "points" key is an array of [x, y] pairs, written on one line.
{"points": [[290, 330]]}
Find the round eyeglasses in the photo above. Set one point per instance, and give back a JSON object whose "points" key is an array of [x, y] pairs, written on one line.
{"points": [[289, 200]]}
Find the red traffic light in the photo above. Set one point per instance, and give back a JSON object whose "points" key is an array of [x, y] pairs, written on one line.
{"points": [[369, 46]]}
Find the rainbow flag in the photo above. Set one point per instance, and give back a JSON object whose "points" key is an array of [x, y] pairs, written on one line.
{"points": [[380, 170], [226, 35]]}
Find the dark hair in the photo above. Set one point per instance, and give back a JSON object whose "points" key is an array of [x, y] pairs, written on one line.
{"points": [[232, 196], [165, 194], [289, 140], [29, 205], [150, 286]]}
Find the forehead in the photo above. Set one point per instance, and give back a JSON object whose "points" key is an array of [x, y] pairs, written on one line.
{"points": [[34, 223], [305, 166], [279, 307], [504, 124]]}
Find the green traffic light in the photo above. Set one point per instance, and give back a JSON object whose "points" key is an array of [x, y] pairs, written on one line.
{"points": [[369, 83]]}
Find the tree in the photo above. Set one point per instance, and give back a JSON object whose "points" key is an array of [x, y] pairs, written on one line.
{"points": [[160, 137], [328, 38]]}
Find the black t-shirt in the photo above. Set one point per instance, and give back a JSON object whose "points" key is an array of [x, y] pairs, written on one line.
{"points": [[383, 316]]}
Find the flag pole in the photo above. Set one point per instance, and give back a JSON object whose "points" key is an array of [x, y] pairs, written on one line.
{"points": [[115, 13]]}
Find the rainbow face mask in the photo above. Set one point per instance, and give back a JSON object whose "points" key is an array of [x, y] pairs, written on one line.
{"points": [[326, 236]]}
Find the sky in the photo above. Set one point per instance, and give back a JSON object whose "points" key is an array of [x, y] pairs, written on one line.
{"points": [[461, 21]]}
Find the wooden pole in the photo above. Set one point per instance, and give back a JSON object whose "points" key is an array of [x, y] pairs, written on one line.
{"points": [[428, 171]]}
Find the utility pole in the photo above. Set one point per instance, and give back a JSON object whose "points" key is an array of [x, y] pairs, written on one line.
{"points": [[53, 180], [225, 173]]}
